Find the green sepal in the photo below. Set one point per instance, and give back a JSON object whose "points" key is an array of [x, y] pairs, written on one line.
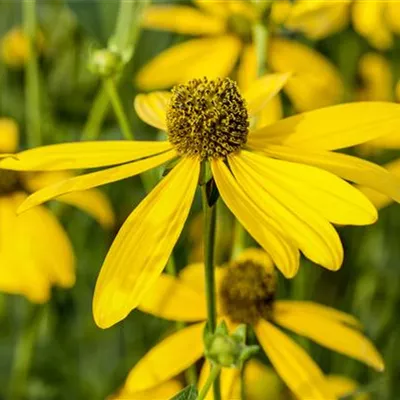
{"points": [[188, 393], [212, 192]]}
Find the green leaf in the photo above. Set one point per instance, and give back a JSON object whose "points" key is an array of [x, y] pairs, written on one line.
{"points": [[189, 393], [96, 16]]}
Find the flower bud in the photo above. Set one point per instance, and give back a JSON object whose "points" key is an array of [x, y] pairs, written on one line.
{"points": [[104, 63]]}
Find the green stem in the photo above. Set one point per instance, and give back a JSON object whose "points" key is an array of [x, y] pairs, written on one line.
{"points": [[242, 383], [260, 37], [91, 130], [239, 239], [24, 352], [212, 378], [32, 96]]}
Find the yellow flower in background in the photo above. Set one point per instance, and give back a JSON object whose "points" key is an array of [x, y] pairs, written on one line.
{"points": [[35, 252], [225, 29], [164, 391], [15, 47], [377, 20], [316, 19], [281, 182], [246, 291]]}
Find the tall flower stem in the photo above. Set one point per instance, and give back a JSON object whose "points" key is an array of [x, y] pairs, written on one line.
{"points": [[212, 378], [24, 353], [209, 215], [32, 95]]}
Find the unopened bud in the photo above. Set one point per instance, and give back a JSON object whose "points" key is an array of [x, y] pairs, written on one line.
{"points": [[105, 63]]}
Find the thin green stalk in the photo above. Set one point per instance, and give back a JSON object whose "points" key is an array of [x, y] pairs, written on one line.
{"points": [[239, 238], [24, 353], [242, 383], [91, 130], [260, 35], [212, 378], [32, 95], [123, 30]]}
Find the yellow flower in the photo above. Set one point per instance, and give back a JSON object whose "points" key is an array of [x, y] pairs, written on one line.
{"points": [[281, 181], [316, 19], [15, 47], [35, 252], [164, 391], [225, 37], [377, 21], [246, 291]]}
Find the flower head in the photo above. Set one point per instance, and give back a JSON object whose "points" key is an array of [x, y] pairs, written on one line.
{"points": [[283, 182], [328, 327]]}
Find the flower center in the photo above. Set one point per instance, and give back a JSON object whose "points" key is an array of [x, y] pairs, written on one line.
{"points": [[9, 181], [247, 292], [240, 26], [207, 118]]}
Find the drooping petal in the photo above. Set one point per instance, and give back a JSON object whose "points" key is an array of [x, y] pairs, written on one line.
{"points": [[343, 386], [313, 234], [309, 307], [182, 19], [152, 108], [247, 69], [333, 198], [315, 82], [386, 142], [378, 199], [88, 181], [167, 359], [272, 112], [144, 244], [347, 167], [93, 202], [335, 127], [210, 57], [171, 298], [164, 391], [296, 368], [9, 135], [264, 229], [331, 334], [218, 8], [229, 377], [262, 90], [81, 155]]}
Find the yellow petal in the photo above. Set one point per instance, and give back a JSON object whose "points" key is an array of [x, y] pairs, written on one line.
{"points": [[152, 108], [317, 310], [164, 391], [82, 155], [262, 90], [167, 359], [386, 142], [347, 167], [335, 127], [272, 112], [88, 181], [296, 368], [264, 229], [333, 198], [393, 15], [171, 298], [218, 8], [313, 234], [378, 199], [9, 135], [315, 82], [143, 245], [210, 57], [247, 69], [331, 334], [343, 386], [182, 19], [229, 378]]}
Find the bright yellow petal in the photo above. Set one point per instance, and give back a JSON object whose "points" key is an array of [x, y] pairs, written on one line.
{"points": [[204, 374], [264, 229], [229, 377], [313, 234], [88, 181], [9, 135], [171, 298], [386, 142], [82, 155], [315, 82], [335, 127], [182, 19], [247, 69], [343, 386], [331, 334], [317, 310], [393, 15], [347, 167], [271, 113], [143, 245], [210, 57], [164, 391], [296, 368], [167, 359], [262, 90], [152, 108], [333, 198], [378, 199], [218, 8]]}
